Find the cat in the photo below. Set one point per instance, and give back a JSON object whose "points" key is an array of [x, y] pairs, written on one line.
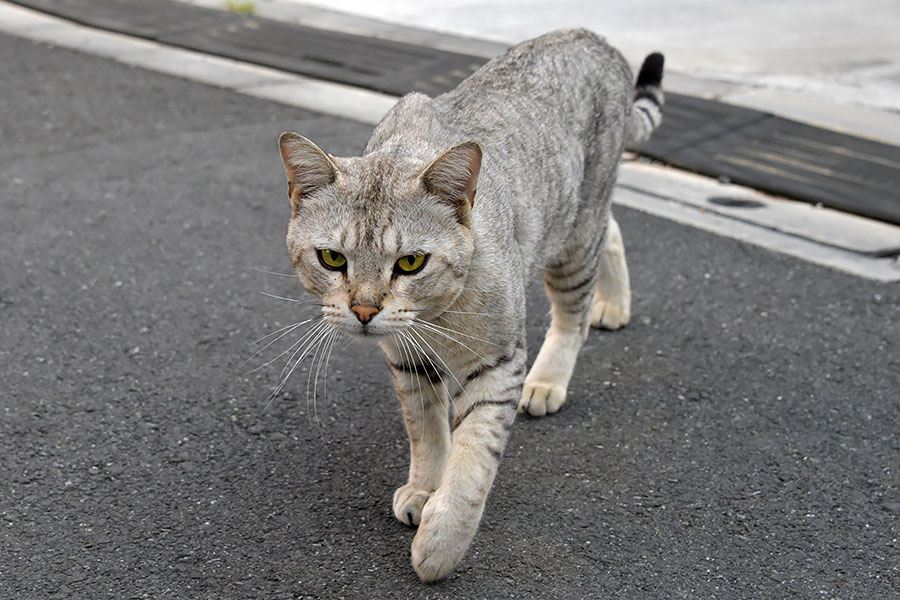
{"points": [[425, 243]]}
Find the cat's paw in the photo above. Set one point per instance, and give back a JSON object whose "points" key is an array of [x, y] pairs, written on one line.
{"points": [[442, 539], [409, 500], [608, 313], [540, 398]]}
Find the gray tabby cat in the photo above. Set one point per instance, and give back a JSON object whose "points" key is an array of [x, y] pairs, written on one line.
{"points": [[399, 248]]}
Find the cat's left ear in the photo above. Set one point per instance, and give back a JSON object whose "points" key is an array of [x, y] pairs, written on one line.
{"points": [[307, 167], [453, 176]]}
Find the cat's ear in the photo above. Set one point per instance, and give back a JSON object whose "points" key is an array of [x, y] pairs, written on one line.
{"points": [[453, 176], [307, 167]]}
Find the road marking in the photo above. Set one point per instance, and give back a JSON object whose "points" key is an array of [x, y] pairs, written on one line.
{"points": [[674, 202], [658, 191]]}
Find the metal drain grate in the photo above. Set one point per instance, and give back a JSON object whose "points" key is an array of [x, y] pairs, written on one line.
{"points": [[780, 156]]}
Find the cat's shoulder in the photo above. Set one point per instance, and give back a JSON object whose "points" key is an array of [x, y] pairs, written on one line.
{"points": [[413, 115]]}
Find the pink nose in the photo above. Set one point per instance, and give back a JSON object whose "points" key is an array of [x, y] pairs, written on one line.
{"points": [[364, 312]]}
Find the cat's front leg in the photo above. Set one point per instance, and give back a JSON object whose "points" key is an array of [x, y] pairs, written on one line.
{"points": [[484, 411], [423, 400]]}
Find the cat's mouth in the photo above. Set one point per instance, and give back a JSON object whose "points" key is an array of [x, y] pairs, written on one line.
{"points": [[368, 331]]}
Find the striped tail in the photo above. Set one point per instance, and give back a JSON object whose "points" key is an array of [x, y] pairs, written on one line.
{"points": [[646, 112]]}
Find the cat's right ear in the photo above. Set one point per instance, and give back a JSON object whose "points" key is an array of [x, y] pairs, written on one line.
{"points": [[307, 167], [453, 176]]}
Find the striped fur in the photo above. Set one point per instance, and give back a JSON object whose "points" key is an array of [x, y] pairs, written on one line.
{"points": [[646, 112], [510, 173]]}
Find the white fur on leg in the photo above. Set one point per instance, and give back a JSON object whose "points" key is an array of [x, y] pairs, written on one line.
{"points": [[611, 307], [545, 386], [425, 415], [409, 500], [428, 456], [450, 517], [445, 532]]}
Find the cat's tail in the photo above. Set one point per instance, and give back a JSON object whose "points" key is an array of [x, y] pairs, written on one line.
{"points": [[646, 112]]}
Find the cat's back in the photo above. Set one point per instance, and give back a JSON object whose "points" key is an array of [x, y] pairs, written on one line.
{"points": [[536, 65], [567, 73], [562, 84]]}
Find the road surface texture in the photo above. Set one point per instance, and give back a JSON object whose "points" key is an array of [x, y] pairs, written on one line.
{"points": [[738, 440]]}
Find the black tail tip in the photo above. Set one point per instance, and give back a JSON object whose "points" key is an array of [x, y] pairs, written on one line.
{"points": [[651, 71]]}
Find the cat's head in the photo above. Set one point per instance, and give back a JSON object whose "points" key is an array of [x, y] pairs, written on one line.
{"points": [[380, 239]]}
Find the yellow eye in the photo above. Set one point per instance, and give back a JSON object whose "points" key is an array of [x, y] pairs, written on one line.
{"points": [[411, 263], [332, 260]]}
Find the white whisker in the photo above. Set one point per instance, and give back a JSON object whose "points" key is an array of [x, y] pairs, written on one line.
{"points": [[406, 355], [311, 341], [334, 338], [437, 341], [465, 312], [289, 349], [290, 329], [430, 327], [443, 397], [433, 332], [297, 324], [450, 330], [412, 329], [319, 356], [305, 351], [294, 300], [274, 272]]}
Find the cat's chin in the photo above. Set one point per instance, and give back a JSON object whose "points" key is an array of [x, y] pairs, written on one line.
{"points": [[374, 334]]}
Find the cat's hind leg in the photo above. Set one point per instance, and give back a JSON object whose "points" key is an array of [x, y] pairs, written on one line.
{"points": [[611, 307], [570, 287]]}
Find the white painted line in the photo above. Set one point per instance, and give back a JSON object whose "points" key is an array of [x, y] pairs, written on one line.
{"points": [[666, 193], [690, 212], [799, 219]]}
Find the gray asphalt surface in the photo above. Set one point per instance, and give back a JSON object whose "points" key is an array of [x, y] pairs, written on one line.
{"points": [[738, 440]]}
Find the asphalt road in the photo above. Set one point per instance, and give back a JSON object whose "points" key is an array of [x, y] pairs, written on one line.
{"points": [[738, 440]]}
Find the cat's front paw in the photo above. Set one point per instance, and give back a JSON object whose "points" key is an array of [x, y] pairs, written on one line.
{"points": [[408, 503], [608, 313], [540, 398], [442, 539]]}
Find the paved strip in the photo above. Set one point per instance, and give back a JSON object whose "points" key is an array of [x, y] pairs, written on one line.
{"points": [[750, 147], [385, 66], [253, 80], [369, 107]]}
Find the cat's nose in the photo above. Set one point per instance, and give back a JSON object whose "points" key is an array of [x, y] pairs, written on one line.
{"points": [[364, 312]]}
